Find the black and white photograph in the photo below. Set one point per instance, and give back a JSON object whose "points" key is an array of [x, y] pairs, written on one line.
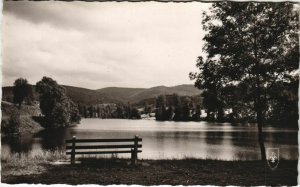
{"points": [[150, 93]]}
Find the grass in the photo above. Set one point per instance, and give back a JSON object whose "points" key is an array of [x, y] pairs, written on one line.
{"points": [[26, 125], [38, 167], [26, 122], [28, 163]]}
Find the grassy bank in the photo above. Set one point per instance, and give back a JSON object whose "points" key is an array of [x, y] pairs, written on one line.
{"points": [[40, 168], [25, 110], [28, 163], [26, 123]]}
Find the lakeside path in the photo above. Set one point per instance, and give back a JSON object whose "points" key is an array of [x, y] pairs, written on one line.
{"points": [[159, 172]]}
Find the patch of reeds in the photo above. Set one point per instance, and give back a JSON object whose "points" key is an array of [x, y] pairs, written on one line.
{"points": [[29, 163]]}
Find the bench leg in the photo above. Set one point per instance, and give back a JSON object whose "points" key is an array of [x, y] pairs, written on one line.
{"points": [[73, 150], [135, 150], [72, 159], [133, 157]]}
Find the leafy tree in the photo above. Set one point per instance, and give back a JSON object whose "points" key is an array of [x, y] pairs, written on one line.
{"points": [[120, 112], [177, 108], [74, 110], [254, 46], [210, 103], [85, 112], [186, 110], [284, 104], [80, 108], [160, 107], [127, 110], [98, 112], [197, 113], [134, 114], [169, 113], [147, 109], [58, 109], [90, 111], [21, 91], [210, 80]]}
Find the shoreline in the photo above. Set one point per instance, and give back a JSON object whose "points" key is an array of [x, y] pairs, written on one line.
{"points": [[155, 172]]}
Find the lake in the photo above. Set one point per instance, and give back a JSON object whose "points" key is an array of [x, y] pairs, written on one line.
{"points": [[165, 140]]}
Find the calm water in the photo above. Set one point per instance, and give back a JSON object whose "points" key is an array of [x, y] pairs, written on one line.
{"points": [[162, 140]]}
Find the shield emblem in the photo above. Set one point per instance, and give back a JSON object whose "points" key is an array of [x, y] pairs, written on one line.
{"points": [[273, 157]]}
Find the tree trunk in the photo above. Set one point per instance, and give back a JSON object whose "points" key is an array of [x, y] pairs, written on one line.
{"points": [[220, 117], [258, 104], [259, 120], [260, 135]]}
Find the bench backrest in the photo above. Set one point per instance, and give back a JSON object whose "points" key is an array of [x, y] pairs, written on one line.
{"points": [[103, 146]]}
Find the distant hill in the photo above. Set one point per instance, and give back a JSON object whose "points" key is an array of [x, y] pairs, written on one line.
{"points": [[120, 93], [135, 95], [87, 96], [115, 94], [79, 95]]}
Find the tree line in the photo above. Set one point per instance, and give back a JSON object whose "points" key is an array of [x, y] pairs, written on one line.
{"points": [[176, 108], [110, 110]]}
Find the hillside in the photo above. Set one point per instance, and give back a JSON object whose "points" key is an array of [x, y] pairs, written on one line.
{"points": [[27, 113], [120, 93], [79, 95], [135, 95], [87, 96], [115, 94], [26, 110]]}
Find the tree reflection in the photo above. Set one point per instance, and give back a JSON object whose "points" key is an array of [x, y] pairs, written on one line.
{"points": [[52, 139], [18, 144]]}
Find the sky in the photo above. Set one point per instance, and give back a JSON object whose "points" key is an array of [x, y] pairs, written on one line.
{"points": [[96, 45]]}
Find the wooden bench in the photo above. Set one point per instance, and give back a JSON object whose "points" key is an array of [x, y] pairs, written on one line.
{"points": [[117, 148]]}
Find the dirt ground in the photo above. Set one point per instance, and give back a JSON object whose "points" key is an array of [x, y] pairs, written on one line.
{"points": [[160, 172]]}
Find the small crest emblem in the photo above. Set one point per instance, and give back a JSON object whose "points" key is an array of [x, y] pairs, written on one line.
{"points": [[273, 157]]}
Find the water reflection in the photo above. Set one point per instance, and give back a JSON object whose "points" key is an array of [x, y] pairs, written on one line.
{"points": [[52, 139], [19, 143], [162, 140], [214, 137]]}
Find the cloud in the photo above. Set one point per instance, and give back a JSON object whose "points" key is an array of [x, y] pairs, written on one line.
{"points": [[95, 45]]}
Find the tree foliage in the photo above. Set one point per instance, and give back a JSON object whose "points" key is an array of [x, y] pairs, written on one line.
{"points": [[173, 107], [253, 49], [22, 91], [119, 111], [58, 109]]}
